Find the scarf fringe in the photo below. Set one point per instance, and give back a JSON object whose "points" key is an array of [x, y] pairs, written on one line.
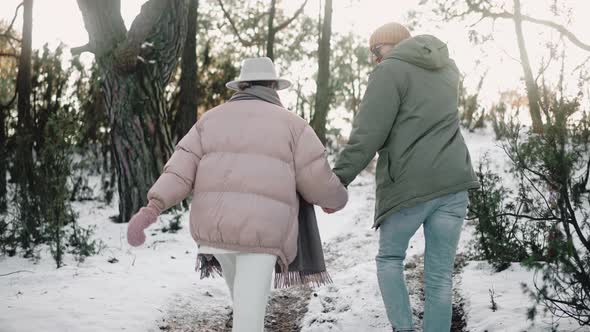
{"points": [[300, 278], [210, 267]]}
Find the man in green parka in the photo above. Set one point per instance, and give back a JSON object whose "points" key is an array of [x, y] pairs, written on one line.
{"points": [[409, 116]]}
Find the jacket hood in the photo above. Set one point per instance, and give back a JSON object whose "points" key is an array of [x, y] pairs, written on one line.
{"points": [[424, 51]]}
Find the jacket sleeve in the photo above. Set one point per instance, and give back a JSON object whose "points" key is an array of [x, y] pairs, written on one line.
{"points": [[371, 126], [178, 177], [316, 182]]}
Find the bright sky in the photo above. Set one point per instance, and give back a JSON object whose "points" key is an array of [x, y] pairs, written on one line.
{"points": [[60, 20]]}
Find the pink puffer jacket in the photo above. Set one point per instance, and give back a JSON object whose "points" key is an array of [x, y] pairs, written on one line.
{"points": [[243, 162]]}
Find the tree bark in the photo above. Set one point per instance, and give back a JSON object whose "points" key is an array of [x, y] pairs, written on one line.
{"points": [[24, 88], [323, 92], [187, 111], [136, 66], [3, 159], [531, 85], [270, 40], [23, 170]]}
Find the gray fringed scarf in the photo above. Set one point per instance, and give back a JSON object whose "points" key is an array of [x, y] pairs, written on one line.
{"points": [[308, 267]]}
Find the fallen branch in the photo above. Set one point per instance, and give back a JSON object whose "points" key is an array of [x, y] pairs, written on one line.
{"points": [[515, 215], [19, 271]]}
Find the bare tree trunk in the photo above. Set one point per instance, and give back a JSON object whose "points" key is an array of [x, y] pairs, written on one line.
{"points": [[3, 159], [323, 93], [24, 87], [136, 66], [187, 112], [531, 85], [270, 40], [23, 170], [320, 23]]}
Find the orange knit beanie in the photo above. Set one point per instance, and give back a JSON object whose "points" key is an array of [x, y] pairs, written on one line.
{"points": [[390, 33]]}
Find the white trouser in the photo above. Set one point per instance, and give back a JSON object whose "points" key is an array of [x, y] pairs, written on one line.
{"points": [[248, 277]]}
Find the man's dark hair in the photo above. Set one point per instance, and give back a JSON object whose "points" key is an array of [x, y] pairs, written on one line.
{"points": [[268, 84]]}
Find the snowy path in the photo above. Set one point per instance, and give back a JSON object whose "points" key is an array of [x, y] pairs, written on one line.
{"points": [[190, 315]]}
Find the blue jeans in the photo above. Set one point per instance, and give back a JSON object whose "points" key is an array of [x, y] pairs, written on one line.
{"points": [[442, 219]]}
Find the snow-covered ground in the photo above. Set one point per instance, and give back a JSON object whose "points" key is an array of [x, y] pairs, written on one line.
{"points": [[150, 284], [512, 305], [478, 278], [97, 295]]}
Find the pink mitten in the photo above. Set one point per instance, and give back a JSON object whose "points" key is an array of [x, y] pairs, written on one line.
{"points": [[139, 222]]}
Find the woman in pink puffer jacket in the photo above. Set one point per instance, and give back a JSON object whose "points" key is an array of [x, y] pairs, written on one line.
{"points": [[244, 162]]}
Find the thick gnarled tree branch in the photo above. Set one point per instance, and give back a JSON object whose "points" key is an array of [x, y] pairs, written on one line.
{"points": [[107, 33], [104, 24], [129, 50], [165, 42]]}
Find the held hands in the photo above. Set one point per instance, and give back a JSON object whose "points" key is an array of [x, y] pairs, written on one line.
{"points": [[344, 188], [328, 210], [139, 222]]}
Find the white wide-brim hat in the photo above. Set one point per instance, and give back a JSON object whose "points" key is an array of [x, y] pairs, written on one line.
{"points": [[258, 69]]}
